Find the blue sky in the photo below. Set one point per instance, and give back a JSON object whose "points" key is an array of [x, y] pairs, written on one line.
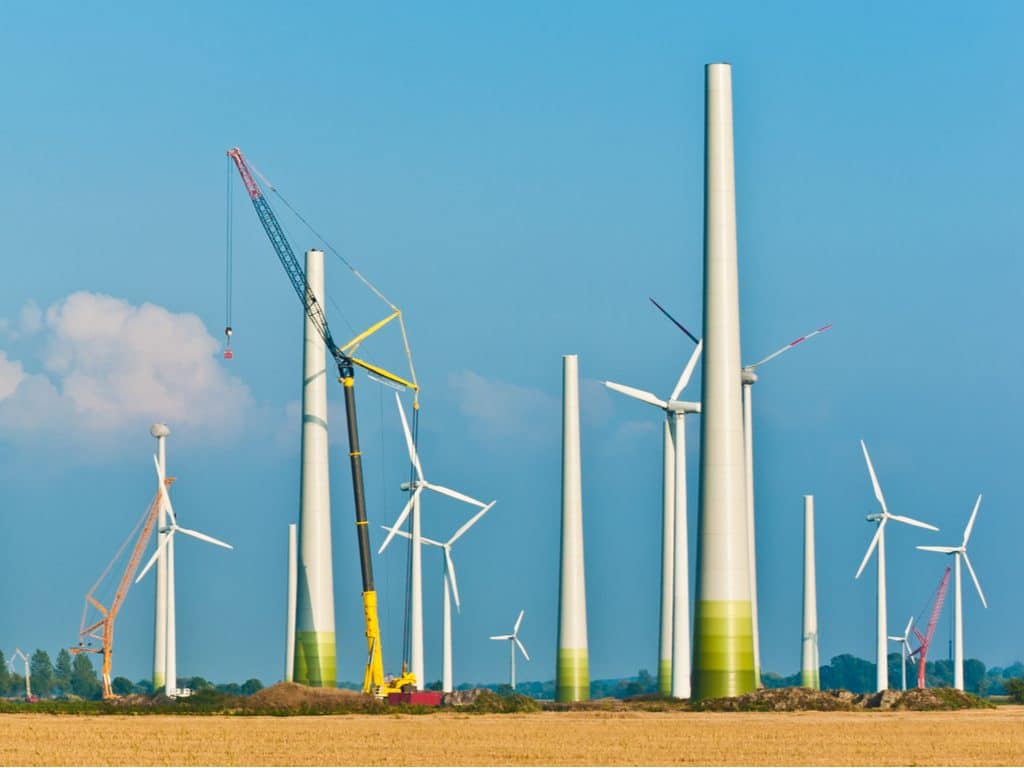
{"points": [[518, 179]]}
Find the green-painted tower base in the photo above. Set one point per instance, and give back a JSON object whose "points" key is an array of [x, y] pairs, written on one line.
{"points": [[572, 678], [665, 677], [810, 678], [316, 659], [723, 649]]}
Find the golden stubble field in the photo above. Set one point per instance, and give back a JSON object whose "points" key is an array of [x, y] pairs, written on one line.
{"points": [[975, 737]]}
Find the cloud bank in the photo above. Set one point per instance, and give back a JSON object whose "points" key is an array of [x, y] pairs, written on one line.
{"points": [[107, 366]]}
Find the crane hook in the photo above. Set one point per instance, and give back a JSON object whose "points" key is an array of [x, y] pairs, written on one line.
{"points": [[228, 354]]}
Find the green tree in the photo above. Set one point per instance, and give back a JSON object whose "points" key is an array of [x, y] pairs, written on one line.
{"points": [[122, 686], [84, 682], [1015, 689], [5, 676], [252, 685], [42, 673], [62, 672], [974, 673], [849, 672]]}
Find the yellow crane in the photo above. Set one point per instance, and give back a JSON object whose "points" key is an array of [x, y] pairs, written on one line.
{"points": [[374, 680], [103, 630]]}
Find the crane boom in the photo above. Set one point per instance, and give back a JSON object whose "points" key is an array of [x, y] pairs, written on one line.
{"points": [[106, 623], [933, 620], [373, 680]]}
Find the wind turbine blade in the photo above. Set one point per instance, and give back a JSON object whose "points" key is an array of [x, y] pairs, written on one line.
{"points": [[501, 637], [203, 537], [522, 648], [911, 521], [874, 479], [153, 559], [943, 550], [469, 523], [679, 325], [970, 523], [906, 632], [515, 629], [413, 456], [401, 519], [791, 344], [165, 497], [453, 494], [871, 548], [407, 535], [907, 646], [684, 379], [637, 394], [967, 562], [451, 577], [894, 638]]}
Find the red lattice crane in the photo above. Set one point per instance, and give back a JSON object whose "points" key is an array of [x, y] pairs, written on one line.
{"points": [[926, 639]]}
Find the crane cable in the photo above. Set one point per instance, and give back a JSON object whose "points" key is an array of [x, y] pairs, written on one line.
{"points": [[228, 262], [362, 278]]}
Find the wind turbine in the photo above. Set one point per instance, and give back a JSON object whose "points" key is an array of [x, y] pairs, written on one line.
{"points": [[881, 648], [748, 377], [166, 547], [28, 671], [413, 505], [958, 634], [674, 648], [513, 642], [904, 649], [451, 588]]}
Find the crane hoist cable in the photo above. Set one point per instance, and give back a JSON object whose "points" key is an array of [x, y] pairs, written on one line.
{"points": [[228, 267]]}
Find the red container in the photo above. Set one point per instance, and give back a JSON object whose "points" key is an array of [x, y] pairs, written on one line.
{"points": [[423, 698]]}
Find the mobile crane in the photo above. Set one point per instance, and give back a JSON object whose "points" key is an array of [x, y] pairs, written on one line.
{"points": [[373, 681]]}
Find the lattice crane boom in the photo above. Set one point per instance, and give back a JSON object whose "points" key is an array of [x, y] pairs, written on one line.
{"points": [[926, 639], [103, 630]]}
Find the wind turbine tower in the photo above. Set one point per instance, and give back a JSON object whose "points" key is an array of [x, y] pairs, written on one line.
{"points": [[315, 648], [293, 584], [160, 432], [572, 673], [809, 664], [723, 650]]}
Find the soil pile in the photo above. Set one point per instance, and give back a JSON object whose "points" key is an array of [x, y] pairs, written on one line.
{"points": [[296, 698], [940, 698], [783, 700]]}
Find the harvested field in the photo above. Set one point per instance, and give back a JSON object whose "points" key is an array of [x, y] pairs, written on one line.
{"points": [[969, 737]]}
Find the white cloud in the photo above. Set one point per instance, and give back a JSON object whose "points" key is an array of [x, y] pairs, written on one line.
{"points": [[499, 410], [11, 375], [108, 366]]}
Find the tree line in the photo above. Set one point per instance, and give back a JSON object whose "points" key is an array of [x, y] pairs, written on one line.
{"points": [[75, 676]]}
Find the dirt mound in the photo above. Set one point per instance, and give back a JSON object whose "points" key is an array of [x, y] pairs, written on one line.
{"points": [[293, 697], [940, 698], [784, 700]]}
